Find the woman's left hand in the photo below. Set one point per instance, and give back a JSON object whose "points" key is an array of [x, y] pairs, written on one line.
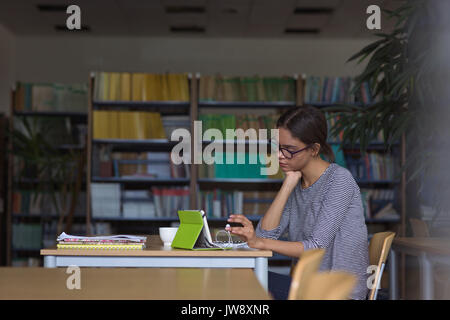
{"points": [[247, 232]]}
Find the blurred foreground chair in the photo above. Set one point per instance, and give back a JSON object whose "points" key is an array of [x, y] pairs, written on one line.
{"points": [[441, 272], [329, 286], [307, 265], [379, 248]]}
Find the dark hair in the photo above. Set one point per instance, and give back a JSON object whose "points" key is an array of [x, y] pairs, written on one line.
{"points": [[309, 125]]}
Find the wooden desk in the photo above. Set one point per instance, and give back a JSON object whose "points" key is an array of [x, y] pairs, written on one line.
{"points": [[157, 256], [131, 283], [429, 251]]}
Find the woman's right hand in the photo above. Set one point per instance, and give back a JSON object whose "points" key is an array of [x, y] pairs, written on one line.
{"points": [[292, 178]]}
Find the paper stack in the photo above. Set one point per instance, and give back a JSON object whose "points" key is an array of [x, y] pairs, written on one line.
{"points": [[115, 242]]}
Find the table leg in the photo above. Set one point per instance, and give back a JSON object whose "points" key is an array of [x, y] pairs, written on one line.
{"points": [[261, 271], [49, 261], [393, 275], [426, 277]]}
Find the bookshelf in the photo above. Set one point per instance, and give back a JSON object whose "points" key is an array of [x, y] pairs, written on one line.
{"points": [[30, 224], [166, 106], [3, 187]]}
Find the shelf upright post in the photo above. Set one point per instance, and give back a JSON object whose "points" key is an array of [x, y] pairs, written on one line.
{"points": [[403, 212], [193, 117], [299, 89], [10, 182], [89, 155]]}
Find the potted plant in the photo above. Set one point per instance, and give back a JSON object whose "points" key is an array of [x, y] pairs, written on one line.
{"points": [[40, 161], [399, 70]]}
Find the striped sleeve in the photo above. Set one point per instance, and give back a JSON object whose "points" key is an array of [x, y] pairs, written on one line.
{"points": [[276, 232], [332, 212]]}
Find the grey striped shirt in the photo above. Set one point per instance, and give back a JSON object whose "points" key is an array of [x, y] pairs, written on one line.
{"points": [[329, 214]]}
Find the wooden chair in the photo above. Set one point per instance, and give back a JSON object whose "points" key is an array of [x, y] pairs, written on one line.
{"points": [[379, 248], [329, 286], [307, 265], [419, 228]]}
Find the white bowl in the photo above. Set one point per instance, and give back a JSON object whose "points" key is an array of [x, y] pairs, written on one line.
{"points": [[167, 234]]}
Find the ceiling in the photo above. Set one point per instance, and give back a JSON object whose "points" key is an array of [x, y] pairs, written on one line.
{"points": [[199, 18]]}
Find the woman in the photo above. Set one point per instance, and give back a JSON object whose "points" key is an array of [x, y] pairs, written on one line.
{"points": [[319, 205]]}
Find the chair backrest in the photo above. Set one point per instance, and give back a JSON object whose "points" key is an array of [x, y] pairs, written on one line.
{"points": [[306, 266], [379, 248], [419, 228], [329, 286]]}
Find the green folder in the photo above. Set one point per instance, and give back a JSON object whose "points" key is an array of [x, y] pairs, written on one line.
{"points": [[189, 235]]}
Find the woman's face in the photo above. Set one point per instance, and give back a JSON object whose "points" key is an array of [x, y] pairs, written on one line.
{"points": [[299, 160]]}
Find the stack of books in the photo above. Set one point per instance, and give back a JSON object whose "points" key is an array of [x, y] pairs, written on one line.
{"points": [[336, 90], [115, 242], [126, 86], [51, 97], [251, 89], [127, 125]]}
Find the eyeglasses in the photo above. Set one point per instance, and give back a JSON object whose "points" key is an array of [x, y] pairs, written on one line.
{"points": [[286, 153]]}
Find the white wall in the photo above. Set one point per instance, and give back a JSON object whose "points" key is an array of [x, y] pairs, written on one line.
{"points": [[7, 68], [71, 58]]}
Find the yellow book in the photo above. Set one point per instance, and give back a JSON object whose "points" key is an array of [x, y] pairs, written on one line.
{"points": [[164, 88], [113, 125], [138, 125], [159, 132], [101, 246], [152, 87], [148, 94], [173, 87], [185, 87], [124, 121], [125, 86], [114, 86], [100, 125], [105, 91], [137, 86], [149, 124]]}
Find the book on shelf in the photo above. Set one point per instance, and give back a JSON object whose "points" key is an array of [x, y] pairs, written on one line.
{"points": [[157, 165], [138, 204], [250, 168], [335, 90], [51, 97], [105, 200], [372, 166], [172, 123], [221, 203], [333, 118], [126, 86], [108, 201], [222, 122], [41, 203], [246, 89], [130, 125], [27, 236], [378, 203], [387, 213], [169, 200]]}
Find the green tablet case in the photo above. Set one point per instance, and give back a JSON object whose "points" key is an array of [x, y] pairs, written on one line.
{"points": [[189, 231]]}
